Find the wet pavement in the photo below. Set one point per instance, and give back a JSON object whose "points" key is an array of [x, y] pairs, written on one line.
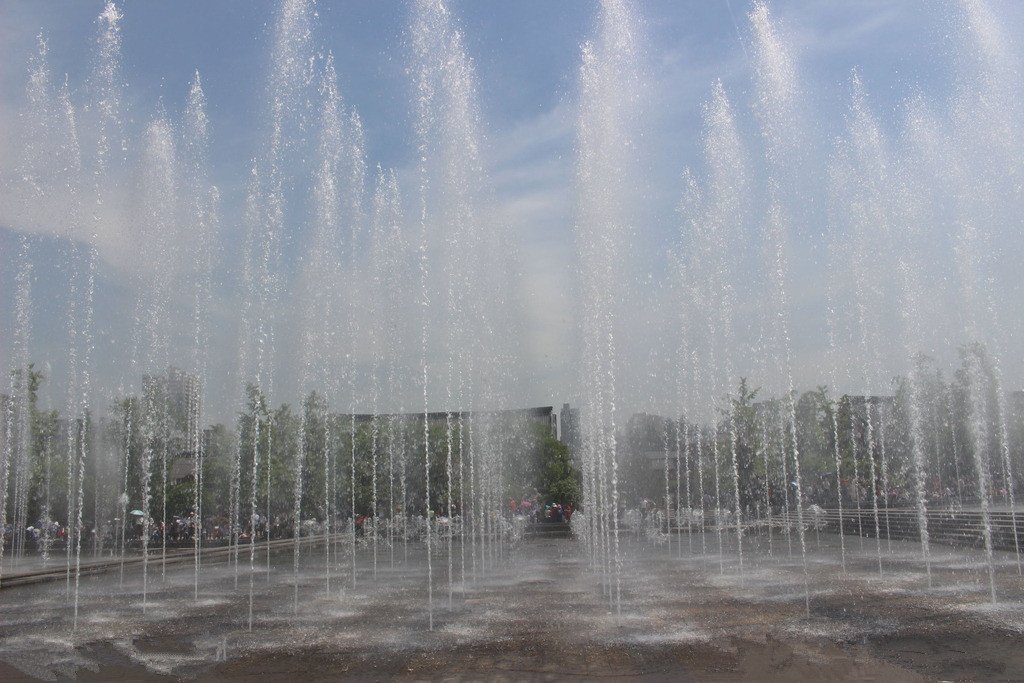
{"points": [[542, 613]]}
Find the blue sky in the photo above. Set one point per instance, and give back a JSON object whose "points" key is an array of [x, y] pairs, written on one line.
{"points": [[526, 56]]}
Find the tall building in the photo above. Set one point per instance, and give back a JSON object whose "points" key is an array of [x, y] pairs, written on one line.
{"points": [[543, 416], [179, 385], [647, 441], [1016, 408], [570, 433], [175, 386]]}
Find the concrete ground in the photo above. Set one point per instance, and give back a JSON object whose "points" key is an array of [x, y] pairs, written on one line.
{"points": [[686, 613]]}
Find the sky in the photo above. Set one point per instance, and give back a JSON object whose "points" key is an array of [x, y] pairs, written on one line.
{"points": [[526, 57]]}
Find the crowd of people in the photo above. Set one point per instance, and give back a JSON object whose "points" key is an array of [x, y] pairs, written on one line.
{"points": [[548, 512], [179, 531]]}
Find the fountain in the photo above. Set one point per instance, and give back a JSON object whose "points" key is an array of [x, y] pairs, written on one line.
{"points": [[318, 367]]}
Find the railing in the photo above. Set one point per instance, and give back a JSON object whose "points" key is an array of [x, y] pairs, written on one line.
{"points": [[58, 570], [958, 528]]}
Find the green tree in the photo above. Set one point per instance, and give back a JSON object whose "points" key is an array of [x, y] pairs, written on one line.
{"points": [[179, 499], [559, 480], [217, 463], [315, 457], [254, 445], [748, 445]]}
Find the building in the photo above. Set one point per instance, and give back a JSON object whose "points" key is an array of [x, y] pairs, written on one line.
{"points": [[647, 438], [570, 431], [180, 385], [176, 388], [1016, 408], [646, 442], [544, 417], [181, 468]]}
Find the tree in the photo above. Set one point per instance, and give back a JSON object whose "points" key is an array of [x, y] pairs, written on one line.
{"points": [[748, 445], [217, 464], [179, 500], [817, 449], [315, 463], [559, 480], [254, 444]]}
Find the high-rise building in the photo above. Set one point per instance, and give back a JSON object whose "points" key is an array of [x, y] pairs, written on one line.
{"points": [[570, 433]]}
